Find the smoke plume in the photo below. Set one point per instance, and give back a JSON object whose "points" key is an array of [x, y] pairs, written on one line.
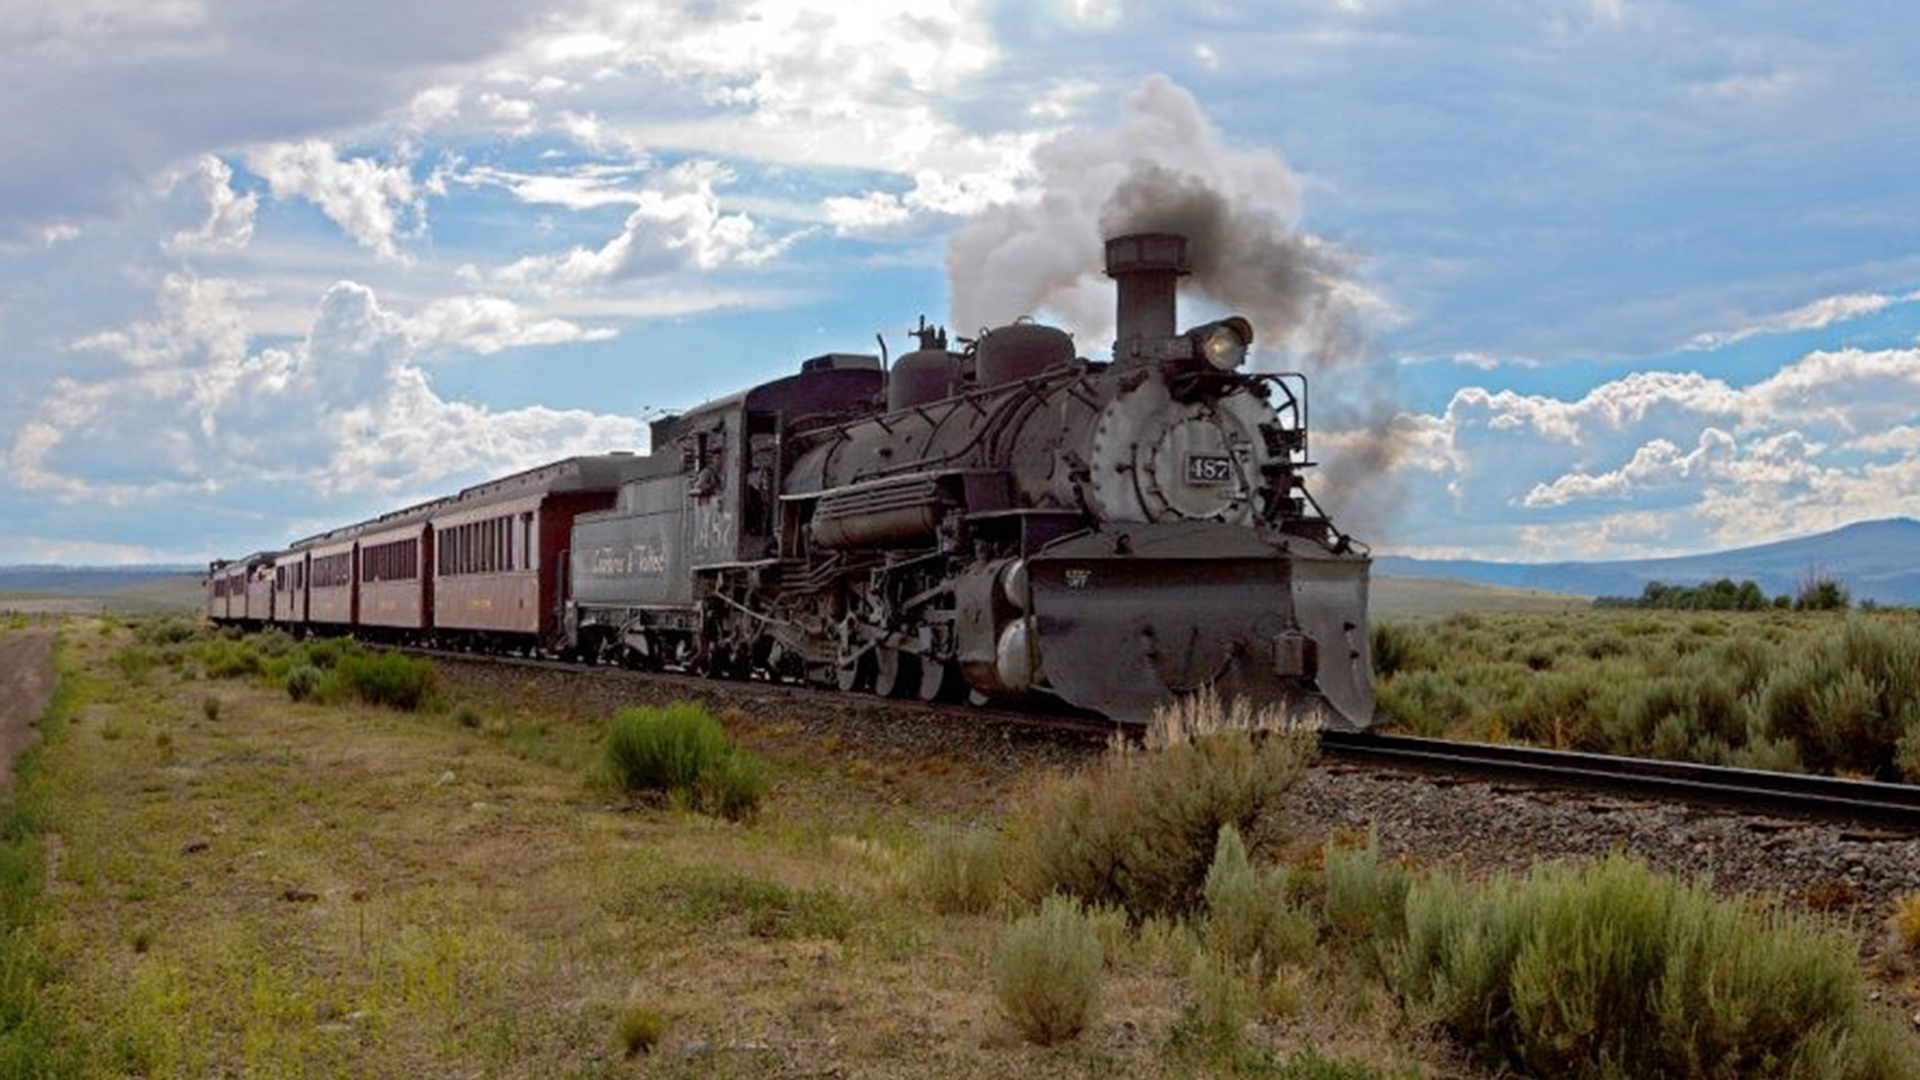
{"points": [[1164, 168]]}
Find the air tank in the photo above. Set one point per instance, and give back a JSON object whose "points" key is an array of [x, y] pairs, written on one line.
{"points": [[1020, 351]]}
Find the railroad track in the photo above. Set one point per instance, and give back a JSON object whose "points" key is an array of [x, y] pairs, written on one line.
{"points": [[1890, 806], [1750, 791]]}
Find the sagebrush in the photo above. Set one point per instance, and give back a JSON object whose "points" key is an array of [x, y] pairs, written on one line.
{"points": [[1614, 970], [960, 871], [1137, 829], [1048, 971], [1763, 689]]}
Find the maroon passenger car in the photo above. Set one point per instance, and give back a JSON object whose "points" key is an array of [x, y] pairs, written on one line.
{"points": [[290, 590], [330, 593], [500, 548], [396, 574]]}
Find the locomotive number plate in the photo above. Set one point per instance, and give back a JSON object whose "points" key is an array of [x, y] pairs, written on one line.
{"points": [[1209, 469]]}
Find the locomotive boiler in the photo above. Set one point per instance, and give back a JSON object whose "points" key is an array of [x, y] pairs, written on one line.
{"points": [[996, 518]]}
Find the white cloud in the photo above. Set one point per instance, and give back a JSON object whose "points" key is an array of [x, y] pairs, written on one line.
{"points": [[106, 95], [364, 197], [432, 107], [1658, 463], [1817, 315], [346, 409], [1827, 439], [198, 316], [1608, 11], [582, 187], [229, 220], [870, 214], [675, 226], [488, 324], [1902, 439]]}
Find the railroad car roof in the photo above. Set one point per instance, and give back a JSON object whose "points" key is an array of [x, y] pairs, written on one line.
{"points": [[596, 472]]}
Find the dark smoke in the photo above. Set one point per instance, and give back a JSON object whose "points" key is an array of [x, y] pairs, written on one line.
{"points": [[1165, 169], [1286, 282]]}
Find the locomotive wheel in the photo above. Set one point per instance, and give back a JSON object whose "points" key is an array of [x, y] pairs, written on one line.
{"points": [[939, 681], [856, 675], [896, 674]]}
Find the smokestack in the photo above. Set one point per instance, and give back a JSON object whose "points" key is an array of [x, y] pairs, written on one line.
{"points": [[1148, 268]]}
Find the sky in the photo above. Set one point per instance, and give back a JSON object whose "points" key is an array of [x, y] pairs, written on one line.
{"points": [[1571, 278]]}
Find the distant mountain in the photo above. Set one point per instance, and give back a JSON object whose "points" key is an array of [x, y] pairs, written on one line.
{"points": [[1878, 560], [116, 588], [88, 580]]}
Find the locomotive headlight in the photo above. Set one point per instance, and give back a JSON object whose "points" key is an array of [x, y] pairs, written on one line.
{"points": [[1223, 345]]}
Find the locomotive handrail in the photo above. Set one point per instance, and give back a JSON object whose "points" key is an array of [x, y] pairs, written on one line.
{"points": [[1299, 402]]}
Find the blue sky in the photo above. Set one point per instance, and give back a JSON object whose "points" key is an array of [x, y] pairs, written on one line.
{"points": [[1611, 277]]}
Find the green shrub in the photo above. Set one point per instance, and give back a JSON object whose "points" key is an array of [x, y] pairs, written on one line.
{"points": [[1395, 648], [225, 658], [135, 662], [1250, 918], [173, 630], [303, 681], [1366, 897], [391, 679], [1614, 970], [1215, 1019], [1848, 698], [468, 717], [327, 653], [1560, 708], [735, 787], [1424, 702], [272, 642], [1137, 829], [210, 707], [1908, 753], [1048, 970], [682, 752], [639, 1029], [1696, 715], [960, 871]]}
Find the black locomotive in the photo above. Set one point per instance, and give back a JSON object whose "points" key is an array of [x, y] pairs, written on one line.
{"points": [[1007, 521]]}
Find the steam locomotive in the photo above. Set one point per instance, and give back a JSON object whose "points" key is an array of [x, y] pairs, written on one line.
{"points": [[1002, 521]]}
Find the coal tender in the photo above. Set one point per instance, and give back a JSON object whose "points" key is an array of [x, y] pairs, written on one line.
{"points": [[1003, 521]]}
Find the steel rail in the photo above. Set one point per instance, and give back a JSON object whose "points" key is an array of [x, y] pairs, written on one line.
{"points": [[1829, 798]]}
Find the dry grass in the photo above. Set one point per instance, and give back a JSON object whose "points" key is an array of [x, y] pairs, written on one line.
{"points": [[1906, 925], [302, 889]]}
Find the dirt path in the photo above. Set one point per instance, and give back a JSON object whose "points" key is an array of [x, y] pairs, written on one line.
{"points": [[26, 685]]}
